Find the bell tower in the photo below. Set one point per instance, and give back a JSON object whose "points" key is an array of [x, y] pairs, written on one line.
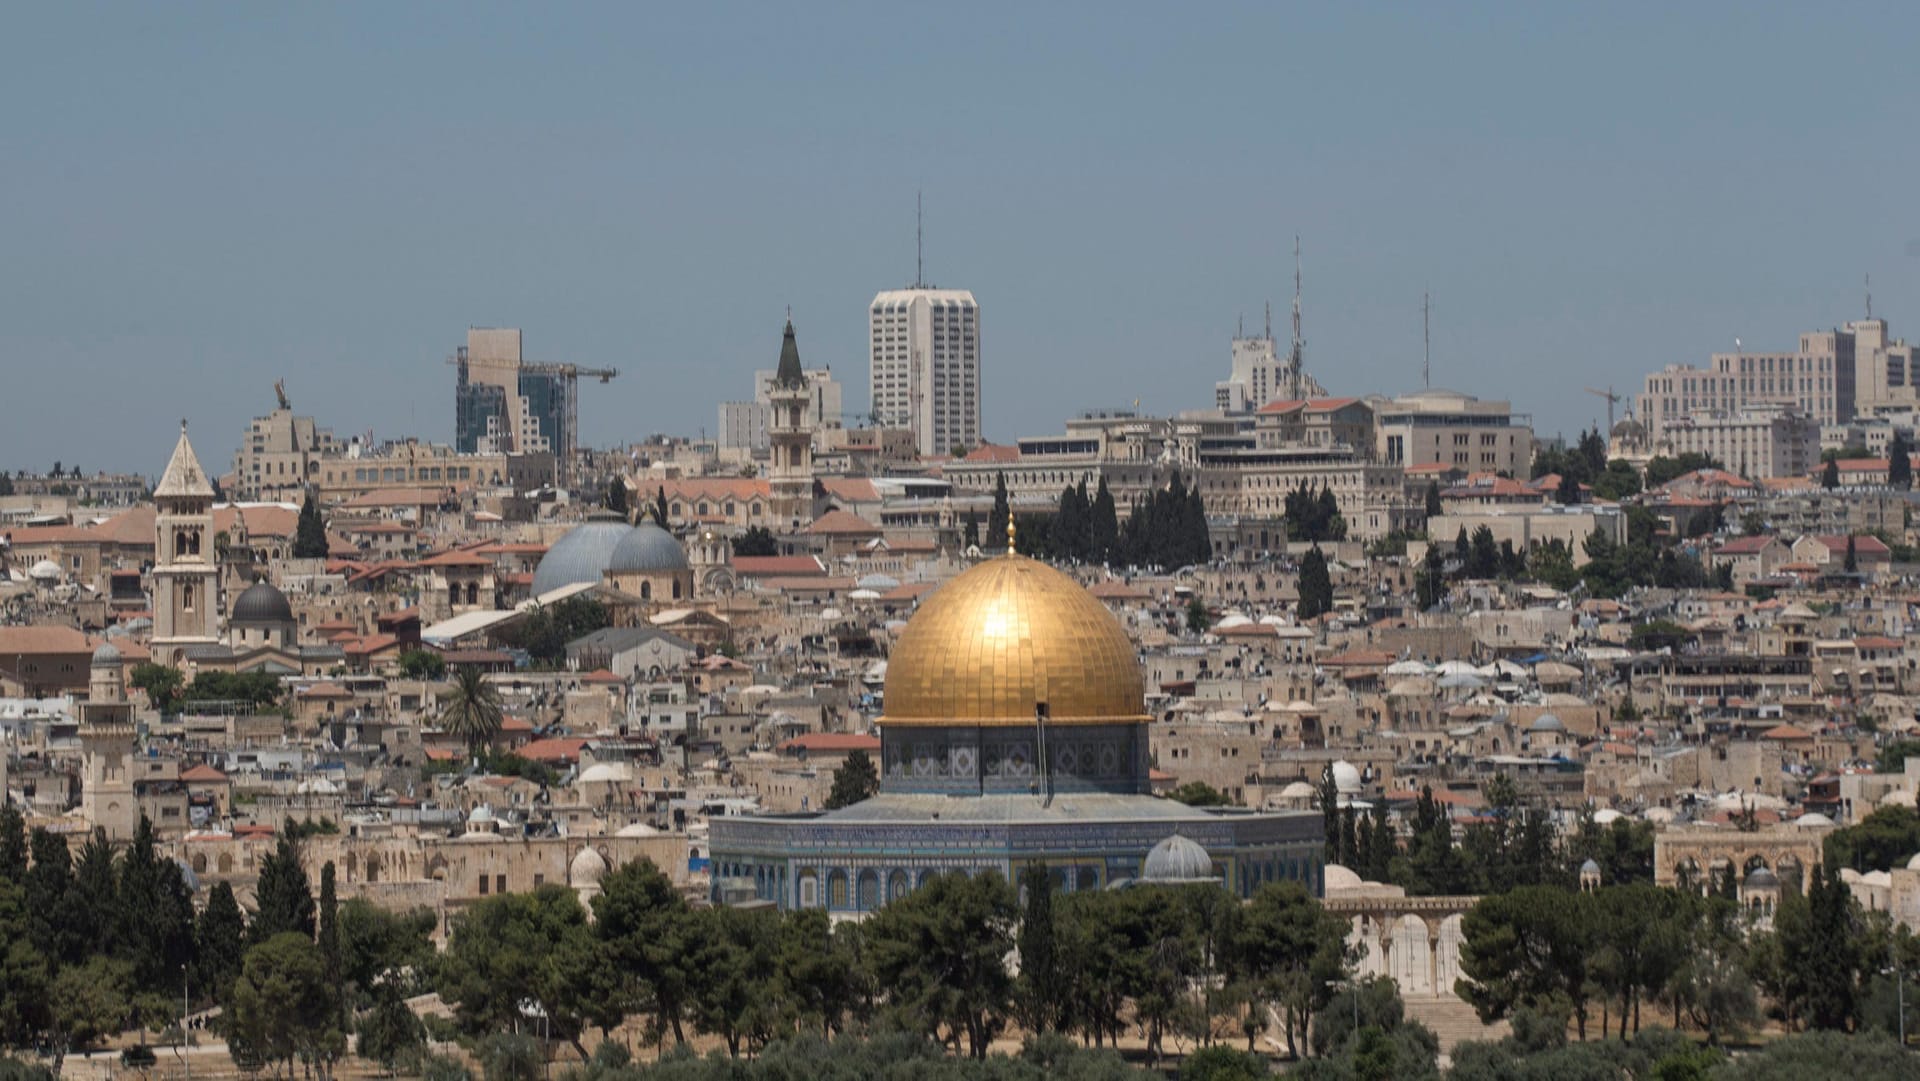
{"points": [[790, 480], [106, 748], [186, 573]]}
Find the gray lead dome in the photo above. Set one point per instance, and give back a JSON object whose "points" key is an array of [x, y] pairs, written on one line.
{"points": [[647, 547], [261, 603]]}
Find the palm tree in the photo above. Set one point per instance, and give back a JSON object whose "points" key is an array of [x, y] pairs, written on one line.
{"points": [[471, 710]]}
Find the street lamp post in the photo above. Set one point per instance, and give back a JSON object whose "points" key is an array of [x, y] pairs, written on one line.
{"points": [[186, 1063]]}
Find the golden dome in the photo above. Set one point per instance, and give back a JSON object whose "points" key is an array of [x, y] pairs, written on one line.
{"points": [[1009, 633]]}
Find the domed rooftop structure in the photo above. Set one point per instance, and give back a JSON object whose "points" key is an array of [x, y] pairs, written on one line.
{"points": [[1346, 778], [1762, 879], [646, 547], [261, 603], [44, 571], [1177, 859], [1335, 877], [1589, 867], [106, 654], [1005, 635], [582, 556], [587, 868], [1547, 722], [1606, 816], [1914, 863], [1299, 790], [1813, 820]]}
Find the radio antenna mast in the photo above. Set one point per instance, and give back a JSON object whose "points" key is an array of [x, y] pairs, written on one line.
{"points": [[919, 244], [1426, 340]]}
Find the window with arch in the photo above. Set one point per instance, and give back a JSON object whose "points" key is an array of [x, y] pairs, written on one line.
{"points": [[837, 889]]}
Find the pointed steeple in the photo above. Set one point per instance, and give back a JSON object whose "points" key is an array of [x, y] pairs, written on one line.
{"points": [[788, 375], [184, 477]]}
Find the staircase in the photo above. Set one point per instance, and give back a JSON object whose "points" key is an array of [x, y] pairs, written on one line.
{"points": [[1452, 1020]]}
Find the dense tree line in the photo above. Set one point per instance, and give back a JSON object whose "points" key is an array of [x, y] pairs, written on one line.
{"points": [[1312, 516], [1511, 843], [1663, 469], [756, 541], [546, 629], [169, 692]]}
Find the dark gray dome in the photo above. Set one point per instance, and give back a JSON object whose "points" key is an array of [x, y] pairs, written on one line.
{"points": [[1177, 859], [580, 556], [647, 547], [106, 654], [261, 603], [1762, 879]]}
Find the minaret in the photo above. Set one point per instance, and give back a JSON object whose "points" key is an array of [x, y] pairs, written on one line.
{"points": [[186, 575], [790, 481], [106, 748]]}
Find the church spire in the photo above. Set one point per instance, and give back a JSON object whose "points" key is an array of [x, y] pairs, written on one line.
{"points": [[789, 375], [184, 477]]}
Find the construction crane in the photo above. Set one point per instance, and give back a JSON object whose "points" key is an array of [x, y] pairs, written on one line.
{"points": [[568, 377], [1611, 398], [280, 392]]}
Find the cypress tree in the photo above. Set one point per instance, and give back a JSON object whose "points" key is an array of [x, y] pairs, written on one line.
{"points": [[1066, 525], [1434, 510], [310, 534], [13, 845], [1316, 585], [1083, 531], [660, 506], [284, 899], [997, 517], [1104, 526], [1042, 991], [219, 943], [970, 536], [1830, 476], [1900, 462], [329, 935], [617, 496]]}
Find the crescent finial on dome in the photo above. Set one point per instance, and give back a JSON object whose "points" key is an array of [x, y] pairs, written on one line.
{"points": [[1010, 534]]}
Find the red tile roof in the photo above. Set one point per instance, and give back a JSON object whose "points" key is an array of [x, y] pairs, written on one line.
{"points": [[553, 749], [832, 743]]}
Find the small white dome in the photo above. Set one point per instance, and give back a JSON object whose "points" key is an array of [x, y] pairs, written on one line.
{"points": [[1337, 877], [637, 829], [45, 571], [1914, 863], [1812, 819], [1298, 790], [606, 773], [1177, 859], [587, 868], [1606, 816], [482, 813], [1876, 878], [1547, 722], [1346, 778]]}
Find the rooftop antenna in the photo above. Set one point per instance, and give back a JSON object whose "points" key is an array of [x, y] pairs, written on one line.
{"points": [[919, 244], [1297, 356], [1269, 320], [1426, 340], [1869, 296]]}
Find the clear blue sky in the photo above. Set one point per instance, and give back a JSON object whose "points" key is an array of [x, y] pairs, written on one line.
{"points": [[196, 200]]}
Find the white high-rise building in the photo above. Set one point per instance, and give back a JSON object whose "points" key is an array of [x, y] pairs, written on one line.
{"points": [[925, 348]]}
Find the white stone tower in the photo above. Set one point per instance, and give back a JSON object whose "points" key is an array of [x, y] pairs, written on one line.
{"points": [[106, 747], [186, 573], [790, 480]]}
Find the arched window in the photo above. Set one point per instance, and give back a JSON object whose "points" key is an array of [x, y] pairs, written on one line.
{"points": [[837, 890]]}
